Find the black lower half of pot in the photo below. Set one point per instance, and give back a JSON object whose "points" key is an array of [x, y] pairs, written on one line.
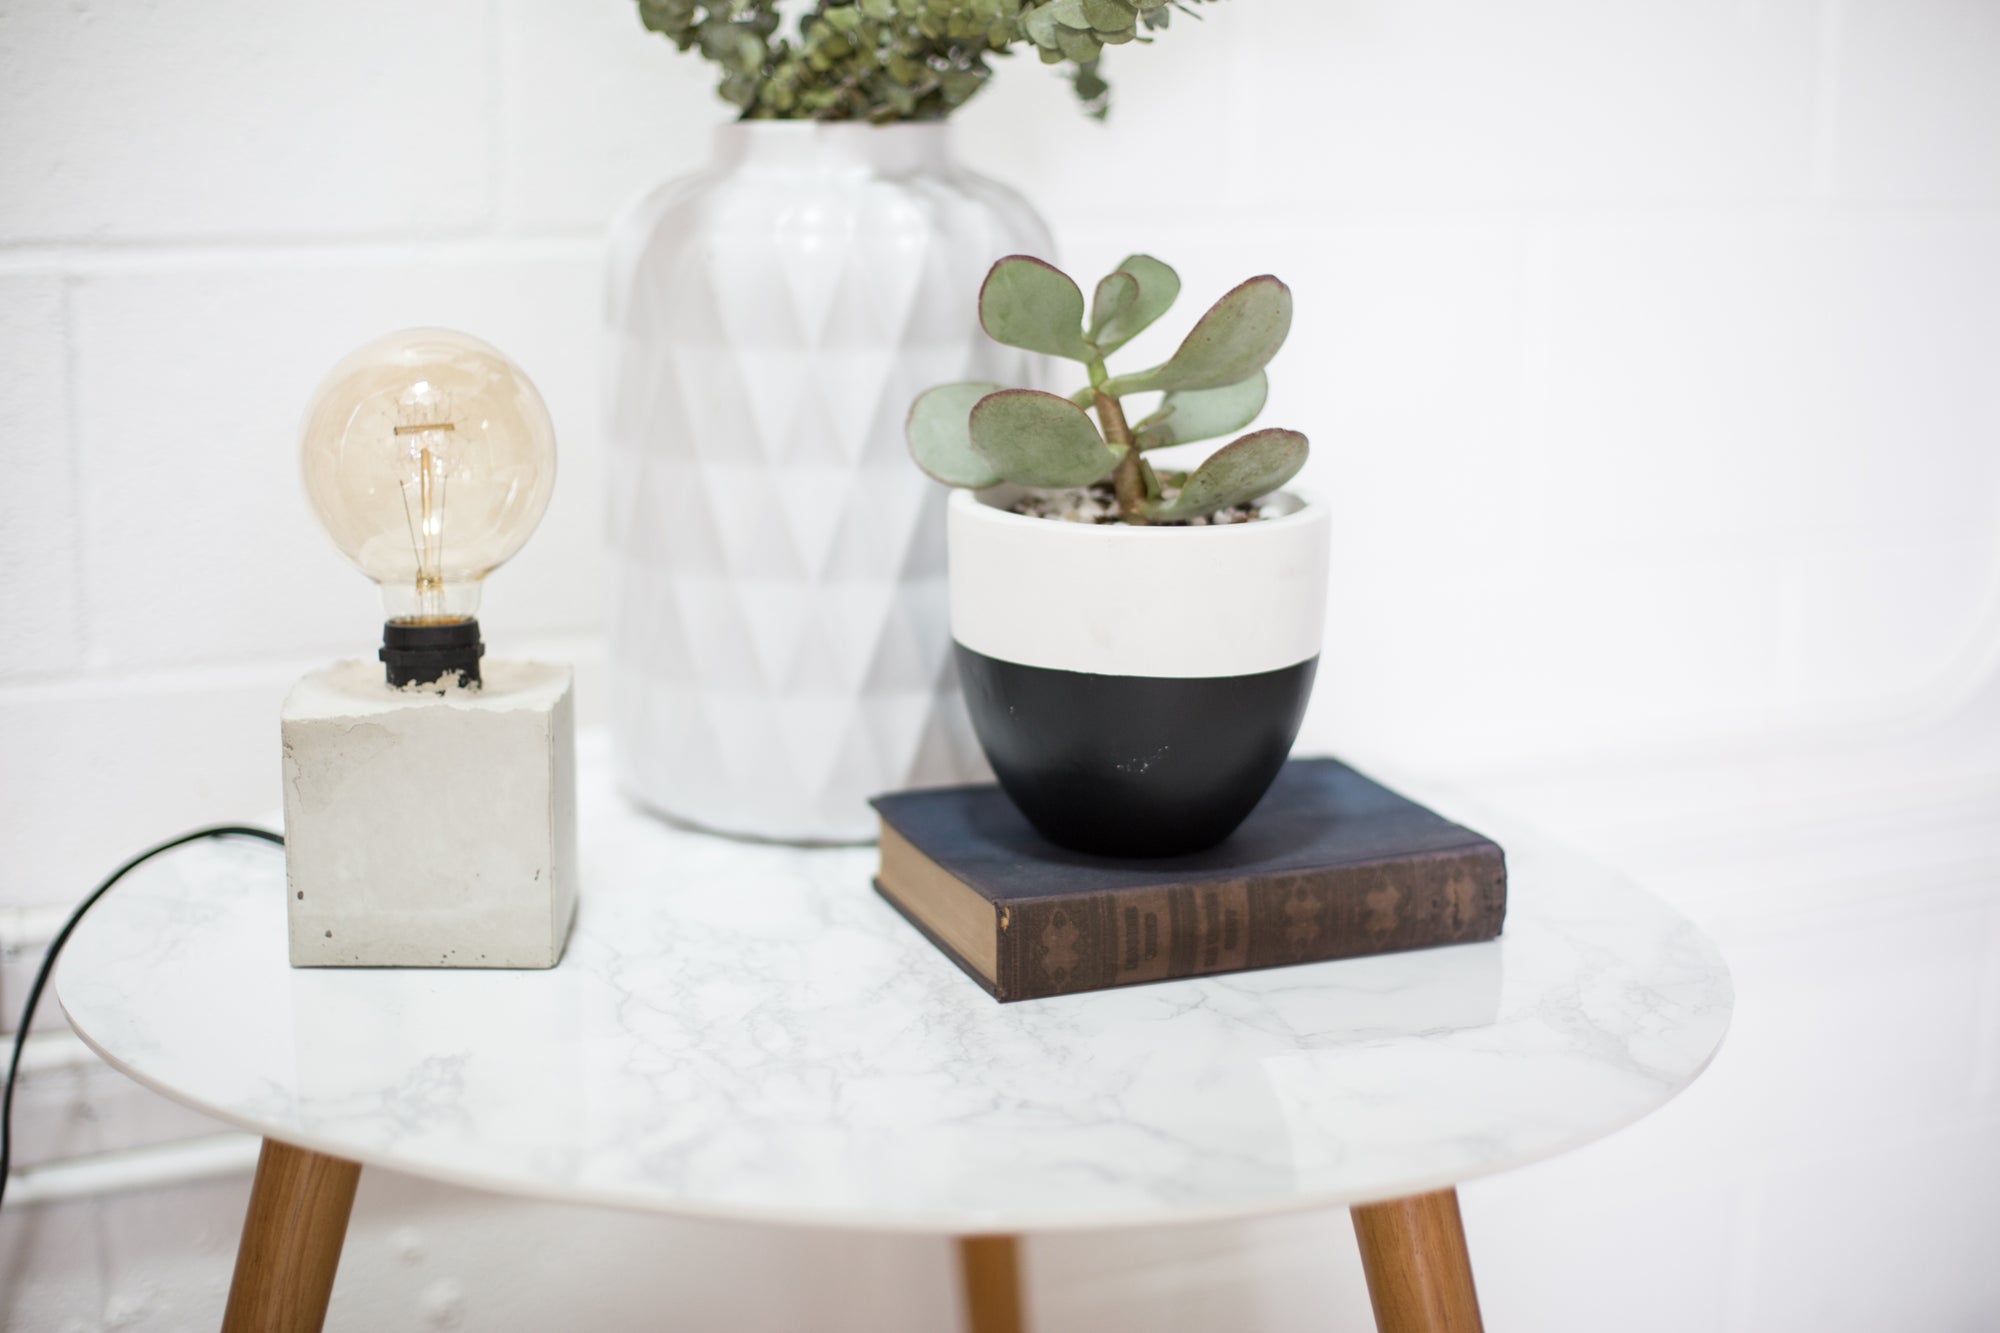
{"points": [[1133, 766]]}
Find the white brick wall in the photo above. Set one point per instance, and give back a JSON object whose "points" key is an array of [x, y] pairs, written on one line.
{"points": [[239, 121], [595, 112], [39, 546], [1912, 111], [1649, 354]]}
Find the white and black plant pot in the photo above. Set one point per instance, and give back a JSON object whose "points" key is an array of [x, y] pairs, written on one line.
{"points": [[1136, 689]]}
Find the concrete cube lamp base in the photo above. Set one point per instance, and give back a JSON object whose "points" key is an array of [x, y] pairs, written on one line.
{"points": [[430, 829]]}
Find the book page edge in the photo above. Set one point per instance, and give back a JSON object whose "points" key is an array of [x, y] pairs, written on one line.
{"points": [[942, 901]]}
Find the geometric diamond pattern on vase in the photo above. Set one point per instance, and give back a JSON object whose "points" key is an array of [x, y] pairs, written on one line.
{"points": [[781, 644]]}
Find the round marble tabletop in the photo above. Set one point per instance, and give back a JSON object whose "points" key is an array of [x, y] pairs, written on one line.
{"points": [[748, 1031]]}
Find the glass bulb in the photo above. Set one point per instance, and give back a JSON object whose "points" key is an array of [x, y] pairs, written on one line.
{"points": [[429, 458]]}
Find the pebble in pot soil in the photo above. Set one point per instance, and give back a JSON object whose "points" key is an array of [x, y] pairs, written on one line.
{"points": [[1099, 504]]}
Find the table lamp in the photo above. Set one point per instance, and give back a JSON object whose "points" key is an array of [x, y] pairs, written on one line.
{"points": [[430, 799]]}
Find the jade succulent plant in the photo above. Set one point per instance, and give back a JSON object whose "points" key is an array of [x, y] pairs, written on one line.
{"points": [[885, 60], [979, 435]]}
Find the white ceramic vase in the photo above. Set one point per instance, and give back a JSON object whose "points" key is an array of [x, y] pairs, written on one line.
{"points": [[780, 641]]}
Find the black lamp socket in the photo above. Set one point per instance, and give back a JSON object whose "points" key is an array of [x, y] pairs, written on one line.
{"points": [[418, 653]]}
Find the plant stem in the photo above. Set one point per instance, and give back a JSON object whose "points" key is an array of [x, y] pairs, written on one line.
{"points": [[1126, 480]]}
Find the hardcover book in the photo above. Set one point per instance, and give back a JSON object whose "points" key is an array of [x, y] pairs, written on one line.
{"points": [[1330, 865]]}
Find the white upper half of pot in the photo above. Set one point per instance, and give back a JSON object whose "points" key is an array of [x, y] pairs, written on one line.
{"points": [[1120, 600]]}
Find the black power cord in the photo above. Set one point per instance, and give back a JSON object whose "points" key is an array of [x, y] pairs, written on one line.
{"points": [[55, 947]]}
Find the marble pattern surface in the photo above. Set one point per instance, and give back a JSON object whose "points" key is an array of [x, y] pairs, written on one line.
{"points": [[748, 1031]]}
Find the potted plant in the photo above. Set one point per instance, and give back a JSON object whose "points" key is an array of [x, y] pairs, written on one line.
{"points": [[778, 565], [1137, 642]]}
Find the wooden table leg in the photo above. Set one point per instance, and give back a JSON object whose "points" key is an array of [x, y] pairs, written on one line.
{"points": [[1419, 1274], [291, 1241], [991, 1266]]}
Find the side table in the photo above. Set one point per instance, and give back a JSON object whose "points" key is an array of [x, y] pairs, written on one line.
{"points": [[745, 1031]]}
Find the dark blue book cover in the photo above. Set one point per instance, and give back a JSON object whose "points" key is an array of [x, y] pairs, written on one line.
{"points": [[1331, 864]]}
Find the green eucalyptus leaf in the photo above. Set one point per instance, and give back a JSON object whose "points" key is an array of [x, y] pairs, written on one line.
{"points": [[960, 85], [1033, 305], [1078, 44], [832, 60], [1244, 469], [940, 434], [1236, 338], [1115, 293], [1203, 414], [1158, 286], [1092, 92], [1037, 439], [1109, 15]]}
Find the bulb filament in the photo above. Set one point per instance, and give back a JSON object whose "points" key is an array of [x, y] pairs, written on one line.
{"points": [[425, 513]]}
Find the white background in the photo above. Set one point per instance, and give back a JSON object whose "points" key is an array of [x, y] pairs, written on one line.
{"points": [[1651, 355]]}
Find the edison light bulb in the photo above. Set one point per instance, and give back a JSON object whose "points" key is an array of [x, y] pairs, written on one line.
{"points": [[429, 458]]}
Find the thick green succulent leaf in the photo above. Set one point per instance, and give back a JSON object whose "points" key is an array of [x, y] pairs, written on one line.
{"points": [[1158, 286], [1204, 414], [1244, 469], [940, 434], [1115, 292], [1033, 305], [1038, 439], [1236, 338]]}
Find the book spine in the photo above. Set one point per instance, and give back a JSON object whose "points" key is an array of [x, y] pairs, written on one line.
{"points": [[1062, 946]]}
